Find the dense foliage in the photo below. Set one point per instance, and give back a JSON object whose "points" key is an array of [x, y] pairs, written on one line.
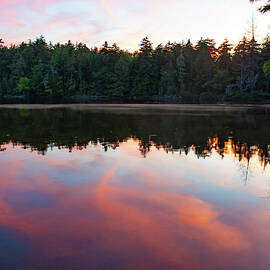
{"points": [[183, 72]]}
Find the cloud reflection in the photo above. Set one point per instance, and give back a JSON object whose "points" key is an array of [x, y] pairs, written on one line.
{"points": [[125, 216]]}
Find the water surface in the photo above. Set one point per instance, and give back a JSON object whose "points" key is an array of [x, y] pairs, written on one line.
{"points": [[134, 187]]}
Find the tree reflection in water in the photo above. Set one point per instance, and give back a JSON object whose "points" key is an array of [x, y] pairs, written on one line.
{"points": [[240, 134], [134, 206]]}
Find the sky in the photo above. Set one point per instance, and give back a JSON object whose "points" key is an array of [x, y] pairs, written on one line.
{"points": [[126, 22]]}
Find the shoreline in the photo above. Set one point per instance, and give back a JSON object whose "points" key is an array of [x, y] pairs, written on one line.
{"points": [[127, 107]]}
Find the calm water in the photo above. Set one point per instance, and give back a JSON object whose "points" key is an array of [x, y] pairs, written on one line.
{"points": [[134, 188]]}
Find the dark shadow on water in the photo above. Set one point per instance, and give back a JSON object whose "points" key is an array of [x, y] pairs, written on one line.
{"points": [[245, 132]]}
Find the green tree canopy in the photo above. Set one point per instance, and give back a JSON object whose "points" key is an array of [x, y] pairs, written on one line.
{"points": [[24, 85], [266, 68], [176, 70]]}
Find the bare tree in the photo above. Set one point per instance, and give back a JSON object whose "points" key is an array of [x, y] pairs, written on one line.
{"points": [[264, 8]]}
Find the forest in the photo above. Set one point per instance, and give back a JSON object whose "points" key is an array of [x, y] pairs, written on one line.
{"points": [[174, 72]]}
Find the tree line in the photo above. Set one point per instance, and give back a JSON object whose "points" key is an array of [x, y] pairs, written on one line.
{"points": [[184, 72]]}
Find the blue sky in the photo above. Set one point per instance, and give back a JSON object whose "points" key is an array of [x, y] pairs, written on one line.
{"points": [[127, 21]]}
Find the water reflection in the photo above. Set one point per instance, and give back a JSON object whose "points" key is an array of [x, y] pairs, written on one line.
{"points": [[242, 134], [91, 201]]}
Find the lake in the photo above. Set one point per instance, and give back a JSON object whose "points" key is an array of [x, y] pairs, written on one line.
{"points": [[128, 187]]}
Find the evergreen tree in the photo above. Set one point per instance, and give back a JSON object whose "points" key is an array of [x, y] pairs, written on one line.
{"points": [[224, 55], [204, 63], [146, 46], [201, 72]]}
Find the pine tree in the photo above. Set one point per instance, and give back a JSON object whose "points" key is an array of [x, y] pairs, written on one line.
{"points": [[224, 57], [146, 46]]}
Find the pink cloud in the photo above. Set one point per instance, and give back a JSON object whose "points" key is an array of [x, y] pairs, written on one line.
{"points": [[19, 26], [11, 12], [10, 17], [41, 5], [55, 22], [9, 3]]}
